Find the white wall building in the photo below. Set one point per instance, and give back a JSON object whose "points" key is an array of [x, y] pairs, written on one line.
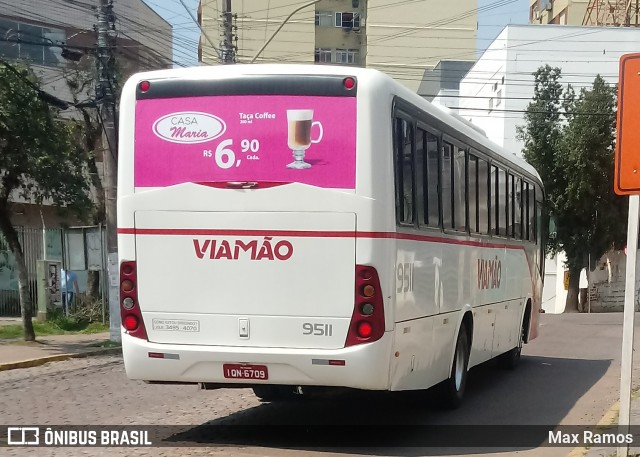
{"points": [[498, 88], [496, 91]]}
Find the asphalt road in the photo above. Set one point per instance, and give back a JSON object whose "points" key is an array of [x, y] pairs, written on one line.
{"points": [[568, 376]]}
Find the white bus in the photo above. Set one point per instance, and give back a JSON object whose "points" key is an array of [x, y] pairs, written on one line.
{"points": [[288, 226]]}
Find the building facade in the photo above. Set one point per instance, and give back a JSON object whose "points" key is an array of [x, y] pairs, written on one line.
{"points": [[43, 35], [497, 89], [562, 12], [495, 94], [402, 39]]}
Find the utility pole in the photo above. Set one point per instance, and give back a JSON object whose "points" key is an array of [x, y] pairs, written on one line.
{"points": [[107, 111], [273, 35], [228, 48]]}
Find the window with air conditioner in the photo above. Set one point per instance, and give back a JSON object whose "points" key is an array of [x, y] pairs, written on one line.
{"points": [[348, 20]]}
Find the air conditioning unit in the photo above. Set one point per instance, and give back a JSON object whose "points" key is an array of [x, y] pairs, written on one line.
{"points": [[545, 5]]}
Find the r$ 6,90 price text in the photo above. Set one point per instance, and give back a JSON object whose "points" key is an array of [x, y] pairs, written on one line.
{"points": [[225, 157]]}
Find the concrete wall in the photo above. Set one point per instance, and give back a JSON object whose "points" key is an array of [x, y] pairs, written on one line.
{"points": [[256, 23], [405, 39], [484, 93], [607, 283]]}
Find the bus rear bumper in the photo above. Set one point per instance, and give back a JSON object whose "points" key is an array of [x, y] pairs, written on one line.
{"points": [[366, 366]]}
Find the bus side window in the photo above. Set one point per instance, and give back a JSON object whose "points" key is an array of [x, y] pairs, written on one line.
{"points": [[483, 196], [422, 189], [525, 210], [447, 191], [517, 214], [405, 186], [532, 213], [536, 218], [427, 178], [433, 176], [511, 198], [473, 193], [503, 207], [459, 189], [494, 200]]}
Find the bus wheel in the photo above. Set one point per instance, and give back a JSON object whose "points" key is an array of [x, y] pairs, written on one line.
{"points": [[454, 386], [274, 393], [511, 358]]}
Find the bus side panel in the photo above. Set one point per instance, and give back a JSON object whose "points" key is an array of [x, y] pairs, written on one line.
{"points": [[436, 281], [423, 337]]}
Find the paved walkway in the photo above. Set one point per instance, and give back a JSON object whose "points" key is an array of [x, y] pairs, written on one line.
{"points": [[50, 348]]}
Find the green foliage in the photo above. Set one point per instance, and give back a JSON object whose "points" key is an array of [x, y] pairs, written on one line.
{"points": [[588, 201], [38, 154], [570, 140], [59, 326], [39, 160]]}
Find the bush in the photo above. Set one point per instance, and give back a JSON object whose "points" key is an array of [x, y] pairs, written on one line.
{"points": [[83, 316]]}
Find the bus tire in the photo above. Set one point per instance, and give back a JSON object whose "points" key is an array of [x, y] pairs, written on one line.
{"points": [[274, 393], [455, 385], [510, 359]]}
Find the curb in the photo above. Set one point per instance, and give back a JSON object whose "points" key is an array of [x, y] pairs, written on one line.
{"points": [[608, 419], [57, 358]]}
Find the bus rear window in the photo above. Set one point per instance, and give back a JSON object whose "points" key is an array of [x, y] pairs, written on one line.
{"points": [[263, 138]]}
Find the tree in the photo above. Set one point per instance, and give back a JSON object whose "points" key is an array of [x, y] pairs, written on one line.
{"points": [[543, 130], [591, 218], [38, 161], [80, 80], [570, 141]]}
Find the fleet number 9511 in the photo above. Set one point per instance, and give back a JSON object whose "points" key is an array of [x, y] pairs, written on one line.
{"points": [[317, 329]]}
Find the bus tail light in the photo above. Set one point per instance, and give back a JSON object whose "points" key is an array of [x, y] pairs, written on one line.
{"points": [[367, 321], [130, 313], [349, 82]]}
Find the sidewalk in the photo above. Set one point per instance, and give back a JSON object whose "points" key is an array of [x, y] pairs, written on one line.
{"points": [[50, 348], [611, 418]]}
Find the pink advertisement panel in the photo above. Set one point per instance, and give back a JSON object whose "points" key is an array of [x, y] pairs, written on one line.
{"points": [[305, 139]]}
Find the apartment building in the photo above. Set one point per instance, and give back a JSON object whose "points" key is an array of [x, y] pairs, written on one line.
{"points": [[403, 39], [38, 32], [562, 12]]}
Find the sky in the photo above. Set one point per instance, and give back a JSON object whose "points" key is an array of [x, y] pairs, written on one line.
{"points": [[493, 15]]}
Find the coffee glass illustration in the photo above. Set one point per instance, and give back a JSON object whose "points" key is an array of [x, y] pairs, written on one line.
{"points": [[300, 123]]}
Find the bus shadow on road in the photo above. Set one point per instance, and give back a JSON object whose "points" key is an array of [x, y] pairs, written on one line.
{"points": [[503, 411]]}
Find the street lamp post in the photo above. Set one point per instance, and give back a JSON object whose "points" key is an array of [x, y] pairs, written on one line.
{"points": [[280, 27]]}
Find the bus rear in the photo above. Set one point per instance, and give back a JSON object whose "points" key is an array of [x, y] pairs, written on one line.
{"points": [[237, 217]]}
